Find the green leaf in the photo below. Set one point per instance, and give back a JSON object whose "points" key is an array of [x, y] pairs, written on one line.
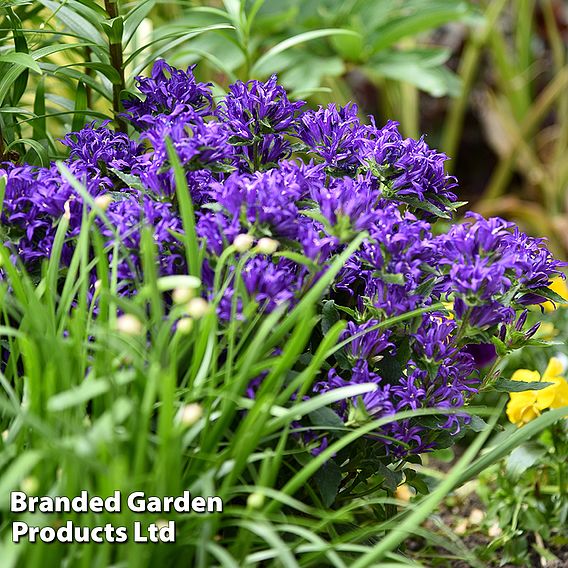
{"points": [[424, 205], [390, 368], [523, 457], [186, 211], [87, 390], [330, 316], [80, 105], [415, 480], [411, 25], [37, 148], [39, 124], [328, 480], [51, 49], [135, 17], [326, 418], [305, 72], [79, 21], [23, 59], [13, 475], [500, 346], [107, 70], [261, 64], [177, 38], [391, 478], [114, 29], [477, 424], [8, 79], [506, 385], [436, 80], [549, 294]]}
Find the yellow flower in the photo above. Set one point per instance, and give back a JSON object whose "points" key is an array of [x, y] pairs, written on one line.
{"points": [[527, 405], [450, 308], [561, 288]]}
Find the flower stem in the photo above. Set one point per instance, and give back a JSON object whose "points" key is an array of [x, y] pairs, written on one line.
{"points": [[116, 60]]}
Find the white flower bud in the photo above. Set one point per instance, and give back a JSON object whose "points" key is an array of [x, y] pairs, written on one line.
{"points": [[29, 485], [182, 295], [129, 325], [255, 500], [161, 523], [103, 201], [190, 414], [184, 326], [67, 209], [242, 242], [267, 246], [495, 531], [197, 308]]}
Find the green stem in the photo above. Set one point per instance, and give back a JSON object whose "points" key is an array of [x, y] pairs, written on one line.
{"points": [[116, 60], [487, 382], [560, 457]]}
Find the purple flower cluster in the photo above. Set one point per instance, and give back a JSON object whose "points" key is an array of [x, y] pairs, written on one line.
{"points": [[261, 167]]}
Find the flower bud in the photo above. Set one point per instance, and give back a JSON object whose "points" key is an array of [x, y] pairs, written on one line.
{"points": [[161, 523], [129, 325], [494, 531], [532, 330], [255, 500], [182, 295], [67, 209], [197, 308], [521, 321], [242, 242], [103, 201], [184, 326], [29, 485], [97, 285], [267, 246], [502, 333], [190, 414]]}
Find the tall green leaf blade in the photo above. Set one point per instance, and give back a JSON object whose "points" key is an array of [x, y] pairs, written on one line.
{"points": [[186, 211], [262, 63], [80, 105], [23, 59], [75, 22], [411, 25]]}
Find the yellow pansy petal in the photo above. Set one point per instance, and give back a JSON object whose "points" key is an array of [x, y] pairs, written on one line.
{"points": [[560, 394], [547, 331], [528, 414], [514, 412], [523, 398], [526, 376], [518, 403], [554, 369], [561, 288], [545, 397]]}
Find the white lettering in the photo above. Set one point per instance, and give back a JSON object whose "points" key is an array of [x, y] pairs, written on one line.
{"points": [[18, 529], [18, 502]]}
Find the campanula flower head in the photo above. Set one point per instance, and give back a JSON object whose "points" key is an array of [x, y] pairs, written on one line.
{"points": [[333, 133], [256, 108], [97, 148], [168, 91]]}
